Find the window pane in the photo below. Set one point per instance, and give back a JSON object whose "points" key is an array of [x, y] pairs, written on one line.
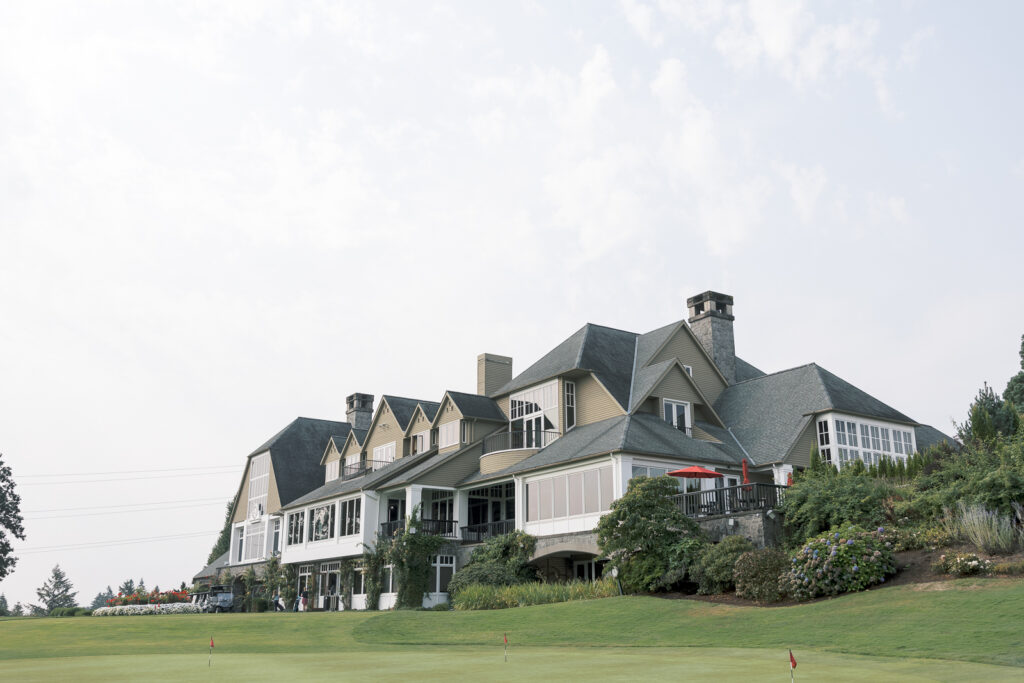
{"points": [[606, 488], [545, 499], [446, 577], [558, 484], [591, 492], [532, 500], [576, 492]]}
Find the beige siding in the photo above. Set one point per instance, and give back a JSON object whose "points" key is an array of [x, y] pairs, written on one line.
{"points": [[332, 455], [684, 347], [448, 412], [420, 424], [385, 430], [495, 462], [242, 503], [482, 428], [675, 386], [800, 454], [352, 447], [455, 470], [593, 402], [503, 403], [273, 497]]}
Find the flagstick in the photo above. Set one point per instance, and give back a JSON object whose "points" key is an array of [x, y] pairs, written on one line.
{"points": [[209, 662]]}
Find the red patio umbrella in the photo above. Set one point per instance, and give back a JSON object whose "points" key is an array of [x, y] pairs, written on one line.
{"points": [[694, 472], [746, 474]]}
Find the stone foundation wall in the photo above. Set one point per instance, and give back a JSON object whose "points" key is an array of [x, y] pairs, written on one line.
{"points": [[756, 526]]}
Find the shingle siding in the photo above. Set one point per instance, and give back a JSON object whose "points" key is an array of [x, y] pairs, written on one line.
{"points": [[800, 454], [675, 386]]}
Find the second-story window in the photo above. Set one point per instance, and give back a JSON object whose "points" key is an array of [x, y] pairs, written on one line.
{"points": [[570, 405], [677, 414], [259, 484], [321, 525], [296, 525], [824, 441], [332, 470], [418, 442], [448, 434], [348, 522], [384, 454]]}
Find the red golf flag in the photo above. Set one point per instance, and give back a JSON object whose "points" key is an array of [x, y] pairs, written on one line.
{"points": [[506, 638], [792, 660], [211, 644]]}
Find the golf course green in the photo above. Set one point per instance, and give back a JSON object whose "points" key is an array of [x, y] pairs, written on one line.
{"points": [[969, 629]]}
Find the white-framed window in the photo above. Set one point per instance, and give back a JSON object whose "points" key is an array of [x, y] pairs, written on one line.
{"points": [[441, 569], [874, 441], [349, 517], [534, 414], [239, 542], [384, 454], [418, 442], [824, 441], [276, 547], [587, 570], [448, 434], [259, 484], [688, 369], [321, 522], [333, 469], [885, 440], [296, 525], [570, 405], [359, 580], [255, 538], [465, 431], [652, 471], [677, 414], [566, 495]]}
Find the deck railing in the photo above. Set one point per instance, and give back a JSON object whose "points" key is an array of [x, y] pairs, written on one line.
{"points": [[516, 440], [435, 527], [723, 501], [358, 469], [478, 533]]}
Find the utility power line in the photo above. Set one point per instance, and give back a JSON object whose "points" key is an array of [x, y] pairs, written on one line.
{"points": [[97, 481], [93, 474], [128, 505], [121, 512], [106, 544]]}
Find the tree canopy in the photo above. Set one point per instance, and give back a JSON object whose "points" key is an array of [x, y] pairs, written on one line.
{"points": [[101, 598], [56, 591], [223, 543], [1015, 387], [11, 522]]}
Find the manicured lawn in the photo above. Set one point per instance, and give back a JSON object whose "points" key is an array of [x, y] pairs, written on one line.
{"points": [[950, 631]]}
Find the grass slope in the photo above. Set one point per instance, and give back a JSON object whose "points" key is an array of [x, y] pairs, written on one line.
{"points": [[950, 631]]}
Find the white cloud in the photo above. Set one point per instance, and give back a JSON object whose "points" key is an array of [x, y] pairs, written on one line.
{"points": [[805, 187], [641, 17], [910, 51]]}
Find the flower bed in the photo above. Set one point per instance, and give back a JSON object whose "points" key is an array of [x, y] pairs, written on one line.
{"points": [[962, 564], [844, 560], [133, 610], [153, 598]]}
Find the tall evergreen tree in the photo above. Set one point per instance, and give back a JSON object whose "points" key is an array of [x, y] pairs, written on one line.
{"points": [[18, 610], [4, 610], [989, 415], [56, 591], [141, 588], [11, 521], [1015, 387], [101, 598], [223, 543], [127, 588]]}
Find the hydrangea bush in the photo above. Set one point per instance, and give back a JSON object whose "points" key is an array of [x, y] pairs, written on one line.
{"points": [[134, 610], [846, 559]]}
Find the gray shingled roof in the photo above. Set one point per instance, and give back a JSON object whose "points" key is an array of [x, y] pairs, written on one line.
{"points": [[211, 570], [927, 436], [745, 371], [474, 405], [430, 409], [644, 380], [648, 344], [767, 413], [359, 435], [605, 351], [296, 452], [402, 408], [369, 481], [640, 433]]}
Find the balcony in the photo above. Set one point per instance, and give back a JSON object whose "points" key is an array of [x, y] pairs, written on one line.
{"points": [[724, 501], [478, 533], [435, 527], [360, 468], [518, 440]]}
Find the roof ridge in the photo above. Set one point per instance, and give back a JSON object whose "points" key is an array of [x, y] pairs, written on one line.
{"points": [[777, 372], [608, 327], [583, 345], [824, 385]]}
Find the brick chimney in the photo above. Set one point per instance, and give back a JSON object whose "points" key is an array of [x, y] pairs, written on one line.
{"points": [[492, 373], [711, 320], [359, 410]]}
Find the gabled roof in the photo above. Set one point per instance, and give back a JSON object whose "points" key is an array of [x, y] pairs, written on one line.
{"points": [[640, 433], [335, 442], [767, 413], [402, 408], [927, 436], [296, 452], [476, 406], [648, 344], [605, 351], [426, 408], [369, 481], [745, 371]]}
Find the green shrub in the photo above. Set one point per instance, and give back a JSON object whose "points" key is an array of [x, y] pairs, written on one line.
{"points": [[757, 573], [681, 560], [823, 499], [500, 561], [1008, 568], [260, 604], [916, 538], [713, 571], [441, 607], [844, 560], [480, 597], [961, 564], [83, 612], [640, 531]]}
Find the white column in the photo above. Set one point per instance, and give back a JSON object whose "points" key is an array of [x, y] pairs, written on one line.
{"points": [[369, 524], [520, 490], [623, 473], [413, 497], [461, 509]]}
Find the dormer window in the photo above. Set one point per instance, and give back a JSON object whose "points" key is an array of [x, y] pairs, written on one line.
{"points": [[688, 369], [677, 414], [570, 405], [418, 442]]}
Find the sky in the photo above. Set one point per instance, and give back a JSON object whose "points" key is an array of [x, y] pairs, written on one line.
{"points": [[215, 217]]}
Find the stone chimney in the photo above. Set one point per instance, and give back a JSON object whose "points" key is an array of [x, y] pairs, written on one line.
{"points": [[359, 410], [492, 373], [711, 321]]}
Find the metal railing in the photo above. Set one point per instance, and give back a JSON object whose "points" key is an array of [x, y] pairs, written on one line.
{"points": [[435, 527], [358, 469], [478, 533], [515, 440], [723, 501]]}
